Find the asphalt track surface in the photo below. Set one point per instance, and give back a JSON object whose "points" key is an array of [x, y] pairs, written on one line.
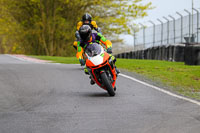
{"points": [[55, 98]]}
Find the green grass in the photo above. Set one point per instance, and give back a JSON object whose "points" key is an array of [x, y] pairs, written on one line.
{"points": [[181, 78], [178, 77]]}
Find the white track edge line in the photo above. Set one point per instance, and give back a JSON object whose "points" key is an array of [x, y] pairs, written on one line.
{"points": [[160, 89]]}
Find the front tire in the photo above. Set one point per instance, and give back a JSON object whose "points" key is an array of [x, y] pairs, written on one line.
{"points": [[107, 84]]}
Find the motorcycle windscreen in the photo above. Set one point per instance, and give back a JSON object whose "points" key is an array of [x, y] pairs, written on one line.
{"points": [[93, 49]]}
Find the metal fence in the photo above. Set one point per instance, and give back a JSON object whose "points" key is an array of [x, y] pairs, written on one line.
{"points": [[172, 31]]}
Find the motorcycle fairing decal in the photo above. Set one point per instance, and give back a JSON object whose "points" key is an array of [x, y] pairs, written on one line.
{"points": [[102, 55]]}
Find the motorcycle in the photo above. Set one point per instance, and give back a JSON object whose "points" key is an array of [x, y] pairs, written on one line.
{"points": [[101, 67]]}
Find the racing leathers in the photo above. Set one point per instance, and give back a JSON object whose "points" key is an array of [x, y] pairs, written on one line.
{"points": [[95, 37]]}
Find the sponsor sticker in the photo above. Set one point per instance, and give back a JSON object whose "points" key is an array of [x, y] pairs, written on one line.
{"points": [[102, 55]]}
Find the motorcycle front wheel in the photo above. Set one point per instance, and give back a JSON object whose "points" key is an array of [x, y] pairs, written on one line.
{"points": [[107, 84]]}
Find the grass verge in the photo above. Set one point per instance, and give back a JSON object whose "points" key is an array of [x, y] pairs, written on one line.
{"points": [[180, 78]]}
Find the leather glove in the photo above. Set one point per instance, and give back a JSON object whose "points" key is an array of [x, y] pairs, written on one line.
{"points": [[109, 50], [82, 62]]}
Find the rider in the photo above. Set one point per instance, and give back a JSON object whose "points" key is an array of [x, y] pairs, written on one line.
{"points": [[87, 38], [86, 20]]}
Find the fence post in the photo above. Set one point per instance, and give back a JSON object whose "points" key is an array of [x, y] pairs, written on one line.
{"points": [[174, 28], [161, 30], [154, 30], [197, 24], [189, 20], [181, 26], [143, 33], [167, 29]]}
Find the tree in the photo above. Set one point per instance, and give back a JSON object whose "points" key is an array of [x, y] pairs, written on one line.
{"points": [[9, 31], [46, 27]]}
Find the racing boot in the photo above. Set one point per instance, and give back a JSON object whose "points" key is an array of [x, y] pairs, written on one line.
{"points": [[86, 70], [113, 58], [117, 70], [91, 81]]}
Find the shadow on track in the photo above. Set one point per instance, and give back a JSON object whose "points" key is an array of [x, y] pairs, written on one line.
{"points": [[97, 94]]}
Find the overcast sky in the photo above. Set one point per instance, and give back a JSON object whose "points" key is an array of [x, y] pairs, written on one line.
{"points": [[165, 8], [168, 7]]}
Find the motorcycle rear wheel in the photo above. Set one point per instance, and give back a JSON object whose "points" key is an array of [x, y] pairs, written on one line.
{"points": [[107, 84]]}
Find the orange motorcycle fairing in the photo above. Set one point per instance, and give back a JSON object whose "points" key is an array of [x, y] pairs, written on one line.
{"points": [[93, 67]]}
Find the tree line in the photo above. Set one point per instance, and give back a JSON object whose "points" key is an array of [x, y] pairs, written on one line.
{"points": [[47, 27]]}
